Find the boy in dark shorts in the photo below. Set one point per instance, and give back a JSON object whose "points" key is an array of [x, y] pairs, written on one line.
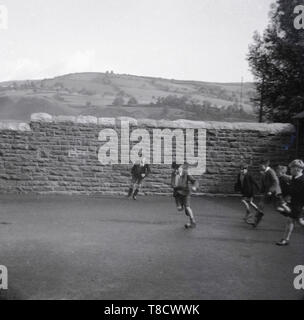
{"points": [[180, 181], [270, 189], [248, 187], [139, 172], [296, 192], [284, 180]]}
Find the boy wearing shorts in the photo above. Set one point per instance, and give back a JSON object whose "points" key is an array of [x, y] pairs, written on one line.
{"points": [[139, 172], [248, 187], [182, 184], [296, 193]]}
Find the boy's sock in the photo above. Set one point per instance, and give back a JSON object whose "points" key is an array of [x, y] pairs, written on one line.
{"points": [[130, 192], [135, 194], [259, 217], [191, 216]]}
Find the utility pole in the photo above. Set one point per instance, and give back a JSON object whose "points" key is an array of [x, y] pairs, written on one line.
{"points": [[262, 100], [241, 97]]}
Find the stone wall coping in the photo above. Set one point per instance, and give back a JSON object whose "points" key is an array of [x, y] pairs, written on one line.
{"points": [[177, 124], [14, 126], [150, 123]]}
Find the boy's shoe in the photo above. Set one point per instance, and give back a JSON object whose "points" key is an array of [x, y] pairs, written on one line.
{"points": [[135, 194], [301, 221], [283, 242], [130, 193], [190, 225], [259, 217]]}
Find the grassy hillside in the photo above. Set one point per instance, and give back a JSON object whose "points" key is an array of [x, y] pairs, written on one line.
{"points": [[111, 95]]}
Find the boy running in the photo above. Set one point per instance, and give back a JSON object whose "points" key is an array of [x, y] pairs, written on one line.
{"points": [[284, 180], [180, 181], [248, 187], [296, 192], [270, 188], [139, 172]]}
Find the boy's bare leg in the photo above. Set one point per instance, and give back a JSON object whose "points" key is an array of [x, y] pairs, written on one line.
{"points": [[131, 189], [136, 188], [260, 211], [191, 217], [253, 205], [247, 209], [288, 231]]}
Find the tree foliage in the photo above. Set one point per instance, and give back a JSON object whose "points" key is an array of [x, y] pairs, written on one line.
{"points": [[276, 59], [118, 101]]}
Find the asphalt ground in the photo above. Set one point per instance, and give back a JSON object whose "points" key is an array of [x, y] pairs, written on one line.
{"points": [[79, 247]]}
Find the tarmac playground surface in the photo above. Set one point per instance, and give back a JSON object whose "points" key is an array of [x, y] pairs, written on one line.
{"points": [[80, 247]]}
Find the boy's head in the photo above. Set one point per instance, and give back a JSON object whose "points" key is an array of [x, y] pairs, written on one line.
{"points": [[264, 164], [142, 161], [296, 167], [281, 170], [180, 169], [174, 165], [244, 168]]}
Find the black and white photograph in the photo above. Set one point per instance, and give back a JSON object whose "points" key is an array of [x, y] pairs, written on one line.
{"points": [[152, 150]]}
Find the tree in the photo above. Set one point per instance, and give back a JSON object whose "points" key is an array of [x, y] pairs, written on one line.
{"points": [[118, 101], [276, 59], [132, 102]]}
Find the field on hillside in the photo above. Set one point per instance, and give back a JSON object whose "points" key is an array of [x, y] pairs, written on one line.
{"points": [[112, 95]]}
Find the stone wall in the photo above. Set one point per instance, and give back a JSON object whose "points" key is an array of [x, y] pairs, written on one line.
{"points": [[60, 154]]}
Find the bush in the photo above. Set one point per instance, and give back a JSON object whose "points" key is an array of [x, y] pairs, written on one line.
{"points": [[132, 102], [118, 101]]}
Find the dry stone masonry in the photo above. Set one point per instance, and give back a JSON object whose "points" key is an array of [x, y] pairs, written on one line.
{"points": [[60, 154]]}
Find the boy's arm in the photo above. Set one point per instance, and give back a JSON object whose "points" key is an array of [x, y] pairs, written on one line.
{"points": [[275, 186], [173, 179], [193, 181], [237, 186], [262, 189], [254, 183], [286, 177], [148, 170]]}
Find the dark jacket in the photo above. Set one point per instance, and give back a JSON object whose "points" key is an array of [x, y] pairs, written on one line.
{"points": [[138, 170], [183, 187], [285, 181], [248, 188], [270, 183], [296, 191]]}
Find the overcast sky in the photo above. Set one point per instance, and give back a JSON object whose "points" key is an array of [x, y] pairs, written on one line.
{"points": [[182, 39]]}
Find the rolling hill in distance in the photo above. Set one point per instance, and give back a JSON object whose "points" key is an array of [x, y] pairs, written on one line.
{"points": [[116, 95]]}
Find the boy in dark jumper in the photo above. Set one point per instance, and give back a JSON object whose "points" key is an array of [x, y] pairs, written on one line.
{"points": [[285, 181], [180, 180], [270, 189], [296, 193], [248, 187], [139, 172]]}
